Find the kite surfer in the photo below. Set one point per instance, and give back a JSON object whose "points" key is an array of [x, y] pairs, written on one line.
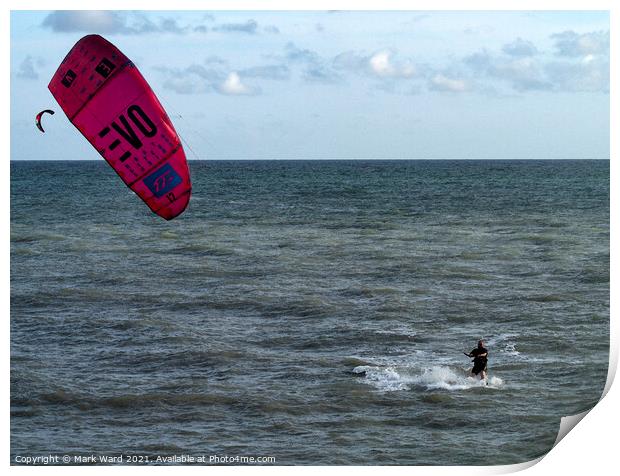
{"points": [[480, 355]]}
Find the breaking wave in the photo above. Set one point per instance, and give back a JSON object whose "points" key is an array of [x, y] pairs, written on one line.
{"points": [[439, 377]]}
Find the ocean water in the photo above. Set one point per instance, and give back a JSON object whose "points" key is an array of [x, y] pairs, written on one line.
{"points": [[311, 311]]}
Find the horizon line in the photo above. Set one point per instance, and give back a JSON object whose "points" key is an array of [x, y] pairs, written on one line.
{"points": [[298, 159]]}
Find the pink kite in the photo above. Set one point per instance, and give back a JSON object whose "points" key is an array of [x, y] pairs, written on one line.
{"points": [[104, 95]]}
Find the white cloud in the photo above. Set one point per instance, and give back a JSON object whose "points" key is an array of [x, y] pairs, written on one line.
{"points": [[581, 63], [588, 59], [233, 86], [590, 75], [570, 43], [382, 64], [439, 82], [216, 77], [524, 73]]}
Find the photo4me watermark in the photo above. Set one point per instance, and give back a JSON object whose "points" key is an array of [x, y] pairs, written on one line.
{"points": [[55, 459]]}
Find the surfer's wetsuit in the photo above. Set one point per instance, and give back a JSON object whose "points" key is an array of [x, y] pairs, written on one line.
{"points": [[480, 363]]}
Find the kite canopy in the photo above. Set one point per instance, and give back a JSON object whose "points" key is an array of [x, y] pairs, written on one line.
{"points": [[104, 95], [38, 118]]}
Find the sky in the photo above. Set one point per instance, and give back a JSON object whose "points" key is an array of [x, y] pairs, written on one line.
{"points": [[337, 84]]}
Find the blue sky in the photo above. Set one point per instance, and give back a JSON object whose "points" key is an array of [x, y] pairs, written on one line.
{"points": [[318, 84]]}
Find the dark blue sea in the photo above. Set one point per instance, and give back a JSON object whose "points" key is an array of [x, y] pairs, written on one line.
{"points": [[315, 312]]}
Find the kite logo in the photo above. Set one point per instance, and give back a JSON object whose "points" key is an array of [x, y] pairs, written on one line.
{"points": [[105, 67], [140, 120], [68, 79], [162, 180]]}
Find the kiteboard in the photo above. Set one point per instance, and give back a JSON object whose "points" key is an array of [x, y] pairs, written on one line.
{"points": [[108, 100]]}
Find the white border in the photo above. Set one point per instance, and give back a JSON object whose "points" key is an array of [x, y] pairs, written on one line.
{"points": [[590, 449]]}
